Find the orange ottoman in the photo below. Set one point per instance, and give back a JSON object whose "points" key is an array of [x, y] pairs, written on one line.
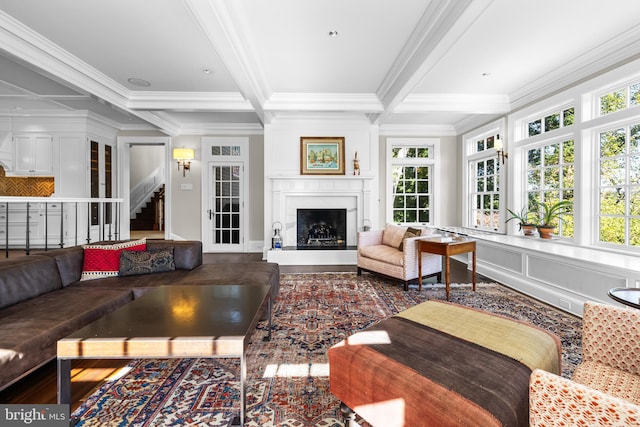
{"points": [[442, 364]]}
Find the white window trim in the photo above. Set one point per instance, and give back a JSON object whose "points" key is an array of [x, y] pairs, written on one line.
{"points": [[593, 135], [469, 154], [433, 161]]}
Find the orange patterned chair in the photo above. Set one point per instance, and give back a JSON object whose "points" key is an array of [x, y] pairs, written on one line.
{"points": [[605, 388]]}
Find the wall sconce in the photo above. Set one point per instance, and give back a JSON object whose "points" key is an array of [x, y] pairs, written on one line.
{"points": [[184, 157], [499, 146]]}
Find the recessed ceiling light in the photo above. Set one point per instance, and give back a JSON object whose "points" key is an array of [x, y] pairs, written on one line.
{"points": [[333, 33], [139, 82], [207, 70]]}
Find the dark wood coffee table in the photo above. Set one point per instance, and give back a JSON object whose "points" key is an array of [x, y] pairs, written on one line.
{"points": [[172, 322]]}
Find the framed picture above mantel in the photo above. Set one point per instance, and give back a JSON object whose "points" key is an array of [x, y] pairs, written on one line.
{"points": [[322, 155]]}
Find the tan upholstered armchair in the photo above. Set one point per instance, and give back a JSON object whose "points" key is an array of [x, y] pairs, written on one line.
{"points": [[605, 388], [392, 252]]}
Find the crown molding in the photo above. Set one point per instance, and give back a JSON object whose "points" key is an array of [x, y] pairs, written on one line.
{"points": [[616, 51], [222, 129], [459, 103], [416, 130], [349, 102], [473, 122], [224, 101], [28, 45]]}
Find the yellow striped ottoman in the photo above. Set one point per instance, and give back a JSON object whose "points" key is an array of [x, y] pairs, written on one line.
{"points": [[442, 364]]}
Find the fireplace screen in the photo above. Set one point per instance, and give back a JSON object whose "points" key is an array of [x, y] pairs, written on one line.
{"points": [[321, 228]]}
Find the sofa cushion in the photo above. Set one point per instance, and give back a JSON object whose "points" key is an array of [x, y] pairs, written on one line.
{"points": [[104, 260], [393, 235], [145, 262], [69, 262], [187, 254], [27, 277], [610, 380], [383, 253]]}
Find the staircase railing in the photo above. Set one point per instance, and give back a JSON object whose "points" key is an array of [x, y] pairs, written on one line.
{"points": [[43, 222], [159, 210], [144, 190]]}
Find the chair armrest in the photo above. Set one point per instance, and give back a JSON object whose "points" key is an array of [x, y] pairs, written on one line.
{"points": [[557, 401], [611, 336], [431, 263], [369, 238]]}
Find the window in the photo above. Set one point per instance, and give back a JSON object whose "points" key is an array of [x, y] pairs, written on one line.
{"points": [[550, 175], [620, 99], [485, 193], [483, 178], [619, 186], [552, 121], [411, 164]]}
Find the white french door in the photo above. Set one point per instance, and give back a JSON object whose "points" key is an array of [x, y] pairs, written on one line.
{"points": [[224, 220]]}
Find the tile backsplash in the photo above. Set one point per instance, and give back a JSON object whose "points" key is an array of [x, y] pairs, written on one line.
{"points": [[28, 186]]}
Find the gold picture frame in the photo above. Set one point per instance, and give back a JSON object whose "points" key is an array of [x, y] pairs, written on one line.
{"points": [[322, 155]]}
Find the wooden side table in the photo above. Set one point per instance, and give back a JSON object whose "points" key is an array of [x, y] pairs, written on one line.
{"points": [[459, 245]]}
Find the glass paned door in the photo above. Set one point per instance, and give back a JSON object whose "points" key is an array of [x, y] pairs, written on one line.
{"points": [[226, 206]]}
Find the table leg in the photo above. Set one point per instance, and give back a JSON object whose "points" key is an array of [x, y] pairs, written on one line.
{"points": [[64, 381], [419, 268], [474, 269], [268, 337], [446, 275], [239, 421]]}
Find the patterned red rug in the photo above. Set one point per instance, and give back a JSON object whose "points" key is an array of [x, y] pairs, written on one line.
{"points": [[288, 376]]}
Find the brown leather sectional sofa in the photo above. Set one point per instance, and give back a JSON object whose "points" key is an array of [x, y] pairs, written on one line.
{"points": [[42, 298]]}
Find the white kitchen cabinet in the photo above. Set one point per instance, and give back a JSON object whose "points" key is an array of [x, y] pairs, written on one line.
{"points": [[13, 224], [33, 155]]}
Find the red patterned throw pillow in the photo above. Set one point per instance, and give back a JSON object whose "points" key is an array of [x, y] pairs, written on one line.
{"points": [[104, 260]]}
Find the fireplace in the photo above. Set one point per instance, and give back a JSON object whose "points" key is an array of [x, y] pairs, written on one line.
{"points": [[321, 228]]}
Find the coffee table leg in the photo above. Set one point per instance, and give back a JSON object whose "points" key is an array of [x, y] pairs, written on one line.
{"points": [[268, 337], [239, 421], [243, 389], [64, 381]]}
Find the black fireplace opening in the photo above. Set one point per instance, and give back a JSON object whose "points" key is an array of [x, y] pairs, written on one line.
{"points": [[321, 228]]}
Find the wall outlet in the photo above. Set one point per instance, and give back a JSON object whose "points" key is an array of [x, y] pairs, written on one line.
{"points": [[564, 303], [186, 186]]}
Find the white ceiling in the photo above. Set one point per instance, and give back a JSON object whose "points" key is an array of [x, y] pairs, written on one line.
{"points": [[410, 64]]}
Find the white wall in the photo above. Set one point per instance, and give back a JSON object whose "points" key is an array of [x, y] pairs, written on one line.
{"points": [[282, 152], [143, 160]]}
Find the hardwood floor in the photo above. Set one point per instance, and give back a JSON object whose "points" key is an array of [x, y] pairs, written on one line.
{"points": [[40, 387]]}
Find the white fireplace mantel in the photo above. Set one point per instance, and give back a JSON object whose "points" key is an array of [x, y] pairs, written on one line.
{"points": [[290, 193]]}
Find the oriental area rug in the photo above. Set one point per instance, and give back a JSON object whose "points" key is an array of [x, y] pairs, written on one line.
{"points": [[288, 384]]}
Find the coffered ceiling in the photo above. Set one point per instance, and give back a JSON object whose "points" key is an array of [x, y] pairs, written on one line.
{"points": [[441, 66]]}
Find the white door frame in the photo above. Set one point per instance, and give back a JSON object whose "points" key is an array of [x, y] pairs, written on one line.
{"points": [[207, 160], [124, 151]]}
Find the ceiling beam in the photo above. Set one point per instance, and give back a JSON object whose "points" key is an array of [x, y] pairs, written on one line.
{"points": [[225, 29], [440, 27]]}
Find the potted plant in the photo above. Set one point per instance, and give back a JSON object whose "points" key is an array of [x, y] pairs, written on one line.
{"points": [[526, 223], [550, 214]]}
